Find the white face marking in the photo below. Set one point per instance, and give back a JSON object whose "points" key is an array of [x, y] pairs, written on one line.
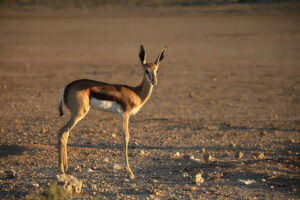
{"points": [[109, 106]]}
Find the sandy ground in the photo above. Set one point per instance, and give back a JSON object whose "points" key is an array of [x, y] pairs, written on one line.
{"points": [[230, 84]]}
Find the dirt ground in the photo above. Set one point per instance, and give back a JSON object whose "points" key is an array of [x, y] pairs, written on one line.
{"points": [[229, 87]]}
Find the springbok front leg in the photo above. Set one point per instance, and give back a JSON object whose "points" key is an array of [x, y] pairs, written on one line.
{"points": [[124, 122]]}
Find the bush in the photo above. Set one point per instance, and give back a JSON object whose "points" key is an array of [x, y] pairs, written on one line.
{"points": [[54, 192]]}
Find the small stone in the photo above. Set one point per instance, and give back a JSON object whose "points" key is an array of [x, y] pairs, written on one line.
{"points": [[105, 160], [264, 133], [233, 145], [227, 153], [199, 179], [210, 127], [35, 185], [203, 150], [260, 146], [191, 94], [12, 174], [155, 181], [175, 154], [260, 156], [218, 176], [247, 182], [229, 124], [157, 192], [70, 183], [94, 187], [142, 152], [188, 157], [194, 188], [239, 155], [117, 166], [295, 190], [113, 135], [207, 157], [78, 169], [185, 174], [94, 167], [89, 170], [292, 141], [43, 130], [187, 187], [197, 160]]}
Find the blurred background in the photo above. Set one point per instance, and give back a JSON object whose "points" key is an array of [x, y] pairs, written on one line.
{"points": [[96, 4], [228, 94]]}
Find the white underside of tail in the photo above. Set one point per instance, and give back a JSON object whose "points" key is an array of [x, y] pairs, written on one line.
{"points": [[109, 106]]}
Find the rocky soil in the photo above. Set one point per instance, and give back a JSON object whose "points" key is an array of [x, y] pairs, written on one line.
{"points": [[222, 123]]}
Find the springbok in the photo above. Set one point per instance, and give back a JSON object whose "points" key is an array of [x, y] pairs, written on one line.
{"points": [[80, 95]]}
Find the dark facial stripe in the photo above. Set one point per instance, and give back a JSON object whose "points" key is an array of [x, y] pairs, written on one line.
{"points": [[150, 75]]}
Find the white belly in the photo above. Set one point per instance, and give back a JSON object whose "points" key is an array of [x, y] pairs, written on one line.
{"points": [[109, 106]]}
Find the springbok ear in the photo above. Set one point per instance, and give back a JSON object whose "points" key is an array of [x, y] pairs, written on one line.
{"points": [[161, 56], [142, 55]]}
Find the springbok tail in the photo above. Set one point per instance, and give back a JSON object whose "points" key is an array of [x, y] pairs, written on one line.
{"points": [[60, 109], [60, 106]]}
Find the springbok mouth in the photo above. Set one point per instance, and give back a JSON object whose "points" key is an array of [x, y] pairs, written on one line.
{"points": [[153, 83]]}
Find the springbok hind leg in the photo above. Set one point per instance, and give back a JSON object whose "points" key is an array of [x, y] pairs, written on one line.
{"points": [[63, 140]]}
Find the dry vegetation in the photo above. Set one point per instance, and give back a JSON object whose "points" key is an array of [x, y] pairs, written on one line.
{"points": [[228, 94]]}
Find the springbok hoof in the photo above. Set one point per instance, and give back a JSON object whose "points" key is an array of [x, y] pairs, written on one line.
{"points": [[131, 176]]}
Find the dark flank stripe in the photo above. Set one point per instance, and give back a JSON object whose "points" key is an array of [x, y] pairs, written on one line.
{"points": [[103, 95]]}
